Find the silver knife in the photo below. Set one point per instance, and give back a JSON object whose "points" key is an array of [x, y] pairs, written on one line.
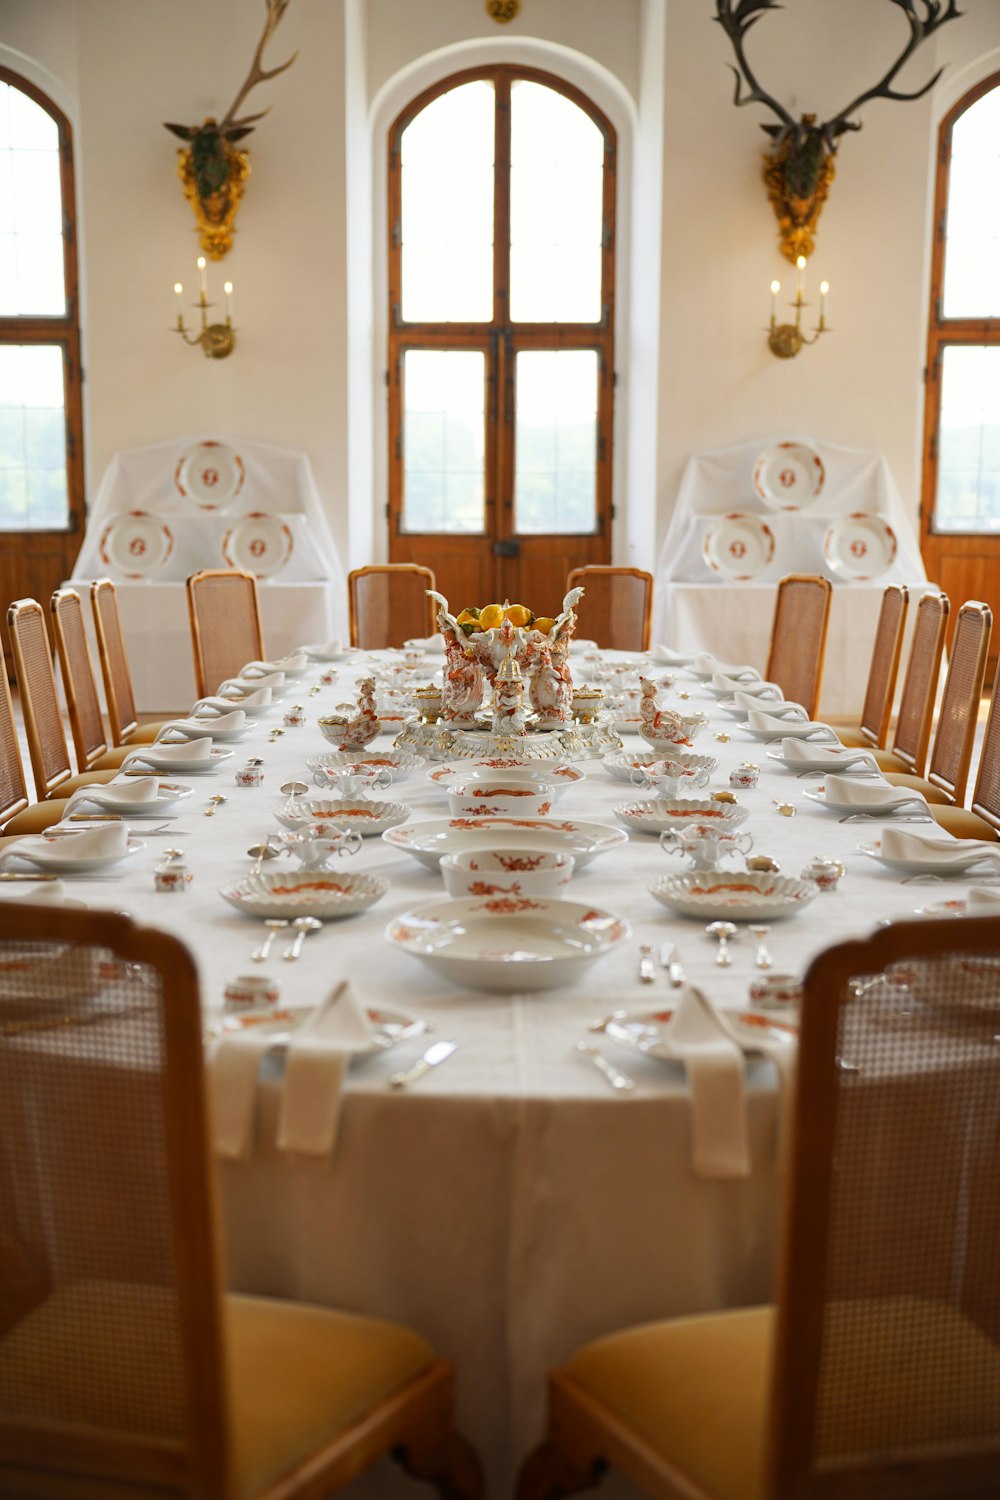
{"points": [[434, 1055], [672, 964], [647, 969]]}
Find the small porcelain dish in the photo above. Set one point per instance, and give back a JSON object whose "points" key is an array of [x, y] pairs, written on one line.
{"points": [[507, 943], [431, 838], [622, 765], [744, 896], [398, 763], [504, 799], [305, 893], [555, 774], [325, 815], [654, 814], [542, 874], [691, 726]]}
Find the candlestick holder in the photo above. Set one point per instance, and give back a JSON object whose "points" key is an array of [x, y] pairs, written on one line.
{"points": [[216, 340], [787, 339]]}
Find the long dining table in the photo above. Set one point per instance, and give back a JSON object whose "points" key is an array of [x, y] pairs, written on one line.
{"points": [[510, 1205]]}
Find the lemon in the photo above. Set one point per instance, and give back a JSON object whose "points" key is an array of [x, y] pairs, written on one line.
{"points": [[544, 625], [468, 617], [518, 614], [491, 616]]}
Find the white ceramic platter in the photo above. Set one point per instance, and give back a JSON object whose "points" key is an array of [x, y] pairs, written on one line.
{"points": [[135, 544], [953, 863], [427, 841], [738, 546], [57, 855], [744, 896], [507, 943], [859, 547], [277, 1023], [211, 474], [326, 815], [305, 893], [259, 544], [788, 476], [644, 1031], [492, 772], [654, 814]]}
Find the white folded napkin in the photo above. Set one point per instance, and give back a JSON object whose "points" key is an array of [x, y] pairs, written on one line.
{"points": [[428, 643], [942, 849], [194, 728], [186, 752], [869, 796], [695, 1034], [261, 698], [107, 843], [781, 709], [981, 902], [725, 686], [580, 648], [137, 791], [707, 665], [807, 754], [46, 893], [759, 720], [672, 658], [244, 686], [318, 1057], [323, 649], [297, 662]]}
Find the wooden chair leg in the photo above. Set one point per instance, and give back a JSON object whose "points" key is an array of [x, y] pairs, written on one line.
{"points": [[444, 1460], [549, 1473]]}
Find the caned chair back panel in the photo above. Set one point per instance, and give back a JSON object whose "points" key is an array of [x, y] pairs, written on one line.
{"points": [[798, 638], [916, 705], [82, 701], [388, 604], [114, 659], [963, 690], [110, 1346], [13, 788], [617, 609], [43, 725], [884, 668], [887, 1374], [986, 792], [225, 625]]}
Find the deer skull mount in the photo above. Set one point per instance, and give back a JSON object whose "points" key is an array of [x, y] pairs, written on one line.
{"points": [[798, 163], [211, 168]]}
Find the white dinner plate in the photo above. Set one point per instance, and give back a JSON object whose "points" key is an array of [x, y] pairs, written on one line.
{"points": [[742, 896], [788, 476], [643, 1031], [738, 546], [110, 799], [792, 729], [859, 547], [326, 894], [160, 759], [507, 943], [871, 799], [259, 543], [135, 544], [428, 840], [57, 855], [278, 1023], [210, 473], [804, 755], [956, 863]]}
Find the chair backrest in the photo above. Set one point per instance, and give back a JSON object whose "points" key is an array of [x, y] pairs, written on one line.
{"points": [[884, 667], [13, 787], [114, 660], [47, 748], [82, 702], [388, 604], [986, 792], [617, 609], [887, 1347], [916, 704], [111, 1360], [798, 638], [951, 756], [225, 624]]}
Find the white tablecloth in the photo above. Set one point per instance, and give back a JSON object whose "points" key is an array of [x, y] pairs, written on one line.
{"points": [[508, 1205]]}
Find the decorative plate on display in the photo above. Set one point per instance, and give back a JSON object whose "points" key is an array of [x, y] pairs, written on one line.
{"points": [[859, 547], [788, 476], [211, 474], [259, 544], [135, 544], [738, 897], [738, 546]]}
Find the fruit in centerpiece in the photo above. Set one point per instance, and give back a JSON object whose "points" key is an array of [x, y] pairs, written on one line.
{"points": [[469, 620], [491, 617], [518, 614], [544, 624]]}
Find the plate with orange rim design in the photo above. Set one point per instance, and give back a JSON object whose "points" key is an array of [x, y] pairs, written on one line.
{"points": [[646, 1031], [210, 473], [859, 547], [738, 546], [278, 1022], [789, 476], [736, 896], [135, 544], [305, 893], [259, 543], [429, 839]]}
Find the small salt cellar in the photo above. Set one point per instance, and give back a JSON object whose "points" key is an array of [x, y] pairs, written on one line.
{"points": [[295, 717], [824, 871], [250, 775], [172, 874], [252, 989], [744, 776]]}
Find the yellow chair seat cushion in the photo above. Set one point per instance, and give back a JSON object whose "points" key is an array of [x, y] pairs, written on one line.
{"points": [[964, 824], [854, 739], [101, 1353], [696, 1389], [39, 816], [919, 784], [85, 778], [112, 759], [145, 734], [888, 760]]}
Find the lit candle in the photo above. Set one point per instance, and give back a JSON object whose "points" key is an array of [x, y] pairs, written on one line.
{"points": [[775, 289], [801, 263], [204, 278], [178, 290], [824, 288], [228, 289]]}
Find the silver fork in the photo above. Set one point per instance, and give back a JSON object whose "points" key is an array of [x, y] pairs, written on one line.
{"points": [[620, 1082]]}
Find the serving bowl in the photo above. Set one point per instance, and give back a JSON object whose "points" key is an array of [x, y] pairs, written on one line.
{"points": [[304, 893], [507, 799], [431, 838], [541, 873]]}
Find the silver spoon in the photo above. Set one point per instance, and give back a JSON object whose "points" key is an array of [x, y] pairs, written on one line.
{"points": [[273, 926], [762, 957], [302, 925], [722, 932]]}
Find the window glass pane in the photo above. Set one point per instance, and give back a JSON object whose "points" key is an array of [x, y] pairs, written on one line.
{"points": [[555, 480], [556, 214], [447, 208], [443, 440], [972, 248], [32, 438], [31, 248], [968, 494]]}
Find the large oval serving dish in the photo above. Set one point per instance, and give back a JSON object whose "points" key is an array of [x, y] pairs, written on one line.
{"points": [[305, 893], [736, 896], [428, 840]]}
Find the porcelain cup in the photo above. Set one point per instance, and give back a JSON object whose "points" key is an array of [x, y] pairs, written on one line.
{"points": [[536, 873]]}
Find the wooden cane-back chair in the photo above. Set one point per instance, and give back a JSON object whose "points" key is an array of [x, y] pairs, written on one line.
{"points": [[16, 816], [118, 692], [617, 609], [82, 702], [798, 638], [225, 625], [388, 604], [877, 1376], [883, 670], [911, 741], [122, 1362], [982, 820], [951, 757], [47, 748]]}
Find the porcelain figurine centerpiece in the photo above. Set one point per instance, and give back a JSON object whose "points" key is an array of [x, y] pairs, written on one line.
{"points": [[353, 731]]}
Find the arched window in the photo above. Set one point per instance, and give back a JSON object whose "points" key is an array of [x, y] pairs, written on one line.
{"points": [[41, 470], [961, 496], [501, 343]]}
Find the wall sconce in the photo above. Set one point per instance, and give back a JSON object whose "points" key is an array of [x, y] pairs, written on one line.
{"points": [[786, 339], [217, 340]]}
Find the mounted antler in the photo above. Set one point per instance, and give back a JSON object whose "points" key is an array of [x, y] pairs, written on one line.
{"points": [[211, 170], [798, 165]]}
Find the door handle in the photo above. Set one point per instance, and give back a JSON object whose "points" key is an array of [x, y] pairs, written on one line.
{"points": [[509, 548]]}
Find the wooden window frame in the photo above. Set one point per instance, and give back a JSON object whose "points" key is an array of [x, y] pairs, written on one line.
{"points": [[943, 331], [62, 329], [498, 340]]}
